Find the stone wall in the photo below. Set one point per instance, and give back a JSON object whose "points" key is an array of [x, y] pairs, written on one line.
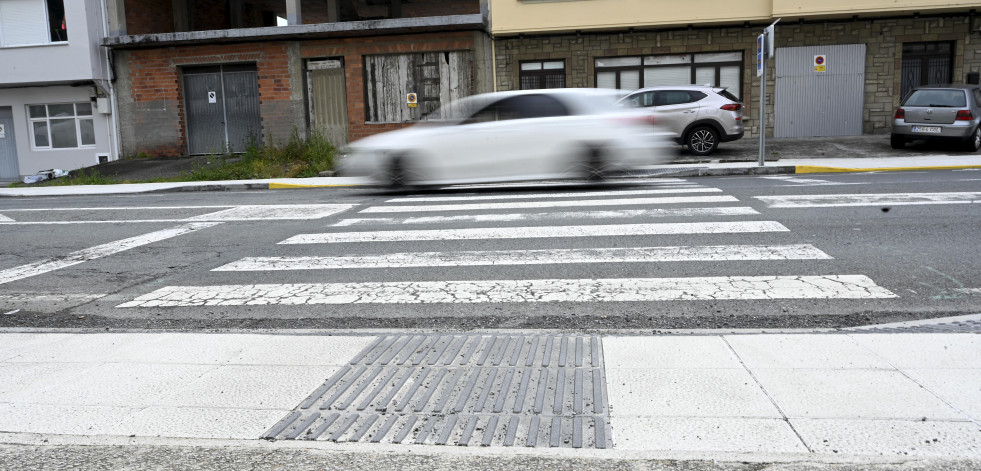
{"points": [[883, 39]]}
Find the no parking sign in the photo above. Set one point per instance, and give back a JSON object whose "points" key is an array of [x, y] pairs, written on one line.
{"points": [[820, 61]]}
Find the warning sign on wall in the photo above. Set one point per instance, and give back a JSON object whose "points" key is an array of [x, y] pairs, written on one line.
{"points": [[411, 100], [820, 62], [3, 132], [212, 97]]}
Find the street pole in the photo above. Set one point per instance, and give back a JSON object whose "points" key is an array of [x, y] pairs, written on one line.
{"points": [[763, 104], [765, 50]]}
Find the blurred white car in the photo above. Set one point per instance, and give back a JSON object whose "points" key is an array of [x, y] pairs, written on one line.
{"points": [[509, 136]]}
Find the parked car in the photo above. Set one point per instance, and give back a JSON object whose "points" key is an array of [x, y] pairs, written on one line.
{"points": [[697, 116], [509, 136], [945, 112]]}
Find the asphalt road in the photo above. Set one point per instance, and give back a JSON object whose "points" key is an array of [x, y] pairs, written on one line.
{"points": [[721, 252]]}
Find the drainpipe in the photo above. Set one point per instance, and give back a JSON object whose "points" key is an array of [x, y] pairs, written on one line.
{"points": [[113, 128]]}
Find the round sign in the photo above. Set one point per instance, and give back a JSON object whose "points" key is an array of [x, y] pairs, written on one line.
{"points": [[819, 60], [410, 98]]}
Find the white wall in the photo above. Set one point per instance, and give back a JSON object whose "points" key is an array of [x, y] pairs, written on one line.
{"points": [[30, 160], [76, 59]]}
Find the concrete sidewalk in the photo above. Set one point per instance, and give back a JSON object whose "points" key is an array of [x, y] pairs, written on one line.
{"points": [[858, 396], [782, 166]]}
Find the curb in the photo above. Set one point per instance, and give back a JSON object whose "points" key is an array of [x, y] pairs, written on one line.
{"points": [[662, 172]]}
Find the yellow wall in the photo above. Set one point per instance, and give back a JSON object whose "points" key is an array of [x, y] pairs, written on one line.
{"points": [[529, 16], [793, 9], [539, 16]]}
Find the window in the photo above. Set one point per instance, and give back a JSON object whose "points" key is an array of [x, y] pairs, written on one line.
{"points": [[722, 69], [926, 64], [542, 74], [32, 22], [433, 76], [62, 126]]}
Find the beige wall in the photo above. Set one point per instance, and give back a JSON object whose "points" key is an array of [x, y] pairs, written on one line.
{"points": [[529, 16], [510, 17], [792, 9]]}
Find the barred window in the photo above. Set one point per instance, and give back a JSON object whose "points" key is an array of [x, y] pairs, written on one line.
{"points": [[542, 74]]}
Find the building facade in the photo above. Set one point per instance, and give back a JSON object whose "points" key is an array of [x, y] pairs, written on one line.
{"points": [[841, 67], [215, 76], [55, 107]]}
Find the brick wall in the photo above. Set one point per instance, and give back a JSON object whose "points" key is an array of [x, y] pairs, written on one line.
{"points": [[150, 89], [883, 39], [354, 49], [150, 93]]}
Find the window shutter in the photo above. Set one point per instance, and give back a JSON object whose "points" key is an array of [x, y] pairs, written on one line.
{"points": [[23, 22]]}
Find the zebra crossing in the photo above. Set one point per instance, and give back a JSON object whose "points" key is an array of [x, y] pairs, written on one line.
{"points": [[533, 216]]}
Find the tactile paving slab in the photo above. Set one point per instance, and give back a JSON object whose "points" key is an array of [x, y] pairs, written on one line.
{"points": [[489, 390]]}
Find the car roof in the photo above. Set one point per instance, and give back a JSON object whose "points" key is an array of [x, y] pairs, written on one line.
{"points": [[961, 86], [679, 87]]}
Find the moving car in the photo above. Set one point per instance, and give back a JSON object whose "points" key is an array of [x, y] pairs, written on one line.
{"points": [[947, 112], [698, 116], [509, 136]]}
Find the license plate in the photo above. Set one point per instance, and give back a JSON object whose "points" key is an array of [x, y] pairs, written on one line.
{"points": [[933, 129]]}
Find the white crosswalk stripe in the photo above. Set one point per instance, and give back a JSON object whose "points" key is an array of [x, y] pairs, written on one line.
{"points": [[528, 196], [392, 288], [548, 204], [533, 257], [540, 232], [573, 215], [520, 291], [889, 199]]}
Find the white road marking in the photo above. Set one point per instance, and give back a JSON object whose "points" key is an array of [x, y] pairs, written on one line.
{"points": [[613, 214], [227, 214], [532, 257], [520, 291], [99, 251], [528, 196], [274, 212], [123, 208], [630, 181], [50, 297], [971, 291], [797, 181], [549, 204], [541, 232], [892, 199]]}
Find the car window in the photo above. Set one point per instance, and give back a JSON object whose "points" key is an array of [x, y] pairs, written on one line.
{"points": [[937, 98], [519, 107], [640, 100], [695, 96], [673, 97], [728, 96], [977, 96]]}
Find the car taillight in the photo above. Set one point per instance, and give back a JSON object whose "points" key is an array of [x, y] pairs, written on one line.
{"points": [[732, 107], [964, 115], [900, 113]]}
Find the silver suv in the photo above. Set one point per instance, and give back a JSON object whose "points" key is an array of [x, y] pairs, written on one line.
{"points": [[948, 112], [699, 116]]}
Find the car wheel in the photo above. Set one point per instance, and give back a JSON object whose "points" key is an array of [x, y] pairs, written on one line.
{"points": [[974, 143], [594, 167], [702, 140], [897, 141]]}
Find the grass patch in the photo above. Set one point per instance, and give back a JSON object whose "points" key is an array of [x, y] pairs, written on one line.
{"points": [[295, 158]]}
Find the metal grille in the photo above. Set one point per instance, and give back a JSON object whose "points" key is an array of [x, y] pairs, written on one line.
{"points": [[501, 390]]}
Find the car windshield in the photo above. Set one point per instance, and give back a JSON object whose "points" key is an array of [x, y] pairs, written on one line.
{"points": [[937, 98]]}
